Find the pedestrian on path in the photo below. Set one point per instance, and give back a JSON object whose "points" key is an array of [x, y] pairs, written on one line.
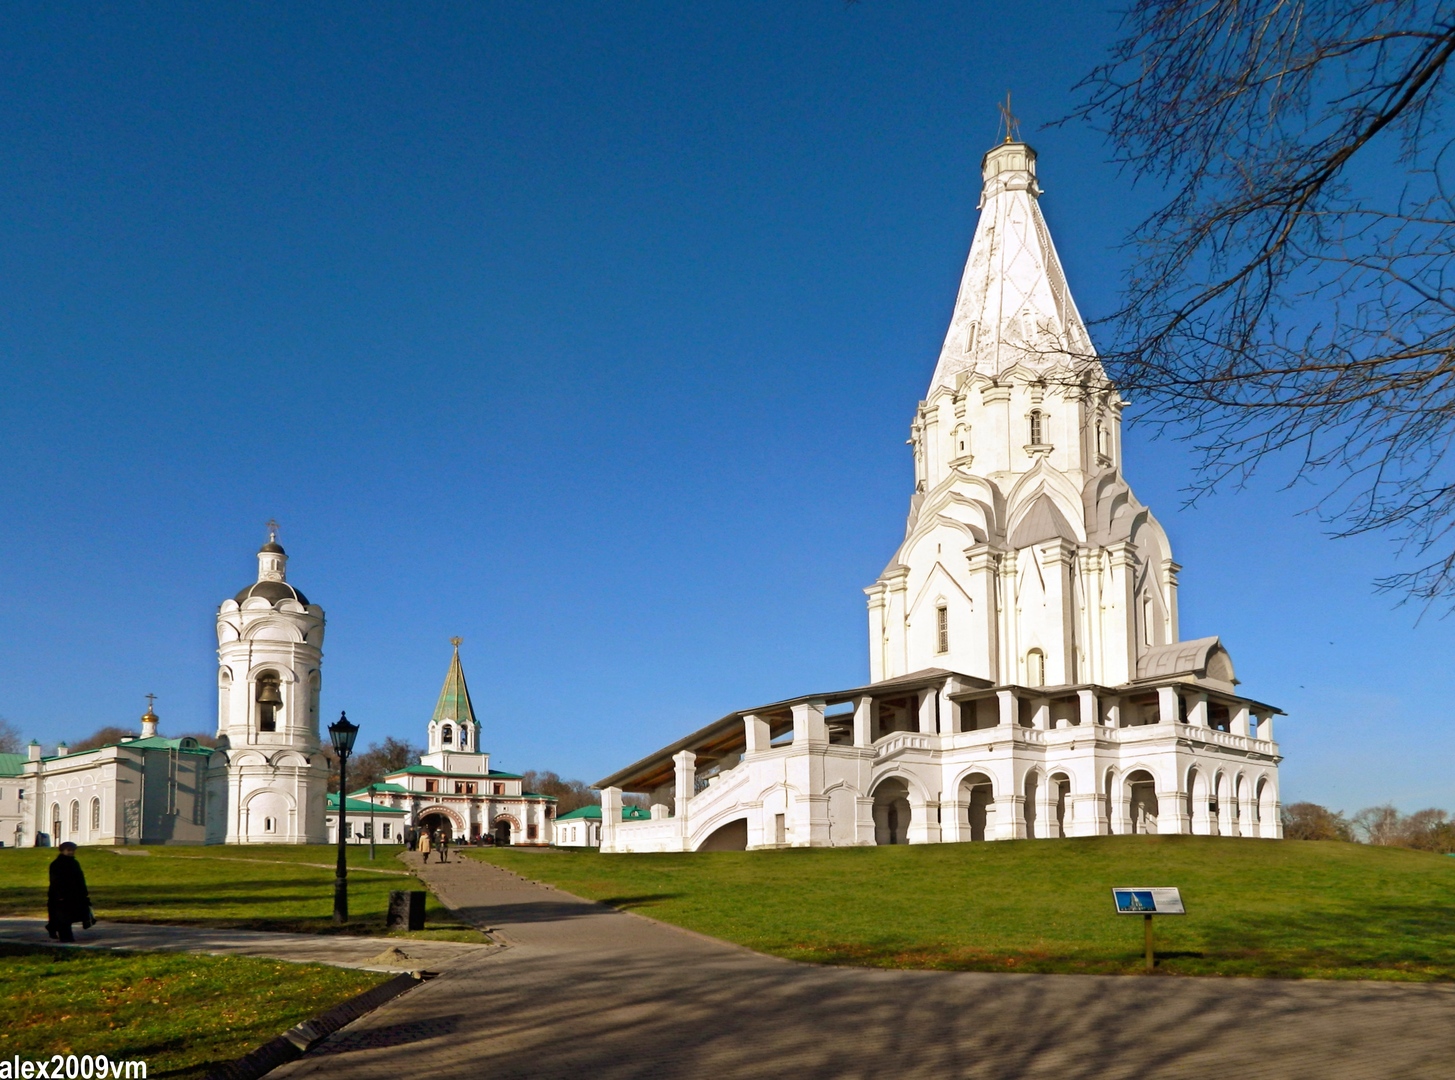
{"points": [[67, 900], [445, 846], [424, 844]]}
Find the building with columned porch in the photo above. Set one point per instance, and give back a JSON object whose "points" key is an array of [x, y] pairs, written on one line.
{"points": [[1027, 678]]}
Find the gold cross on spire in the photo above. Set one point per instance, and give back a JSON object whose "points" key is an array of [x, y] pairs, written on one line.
{"points": [[151, 701], [272, 531], [1009, 121], [455, 641]]}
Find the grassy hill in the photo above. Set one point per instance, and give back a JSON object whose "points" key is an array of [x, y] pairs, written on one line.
{"points": [[1255, 907]]}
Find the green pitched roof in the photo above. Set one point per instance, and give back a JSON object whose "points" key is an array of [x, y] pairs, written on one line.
{"points": [[419, 770], [12, 764], [360, 806], [454, 703], [593, 813], [382, 789]]}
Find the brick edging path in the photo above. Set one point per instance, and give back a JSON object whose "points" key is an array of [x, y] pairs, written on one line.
{"points": [[585, 991]]}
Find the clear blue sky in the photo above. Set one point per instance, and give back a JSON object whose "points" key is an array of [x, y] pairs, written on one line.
{"points": [[590, 333]]}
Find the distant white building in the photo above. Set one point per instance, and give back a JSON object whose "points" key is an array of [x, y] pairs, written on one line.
{"points": [[453, 790], [582, 827], [1027, 677], [265, 781]]}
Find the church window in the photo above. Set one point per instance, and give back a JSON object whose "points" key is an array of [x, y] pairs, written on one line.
{"points": [[499, 789], [75, 818], [464, 788], [368, 830], [269, 825], [386, 830], [1038, 427], [96, 813], [1036, 668], [56, 821], [530, 832], [447, 735], [270, 700], [942, 629], [970, 335], [431, 785], [464, 737], [1146, 620]]}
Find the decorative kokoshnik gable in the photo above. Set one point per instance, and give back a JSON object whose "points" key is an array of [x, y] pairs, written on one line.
{"points": [[1026, 674]]}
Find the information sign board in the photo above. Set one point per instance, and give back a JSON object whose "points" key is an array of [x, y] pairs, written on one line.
{"points": [[1148, 902]]}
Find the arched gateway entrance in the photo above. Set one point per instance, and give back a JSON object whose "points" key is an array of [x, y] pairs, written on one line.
{"points": [[504, 829], [440, 825]]}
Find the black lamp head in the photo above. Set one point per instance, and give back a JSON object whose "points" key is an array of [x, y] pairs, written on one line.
{"points": [[342, 734]]}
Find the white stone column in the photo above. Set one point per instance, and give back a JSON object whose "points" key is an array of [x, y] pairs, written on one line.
{"points": [[755, 730], [1265, 726], [1239, 724], [1009, 708], [1041, 715], [610, 817], [864, 721], [1120, 822], [1197, 711], [809, 728], [685, 762], [1172, 807], [1114, 713], [1168, 711], [1224, 796], [1086, 703], [1008, 822], [928, 710]]}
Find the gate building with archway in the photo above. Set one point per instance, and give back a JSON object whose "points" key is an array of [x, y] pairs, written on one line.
{"points": [[454, 790], [1027, 678]]}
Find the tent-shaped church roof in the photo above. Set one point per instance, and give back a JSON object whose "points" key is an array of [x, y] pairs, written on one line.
{"points": [[454, 703]]}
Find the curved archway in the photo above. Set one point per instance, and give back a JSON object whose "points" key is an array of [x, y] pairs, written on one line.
{"points": [[1060, 792], [892, 812], [1032, 792], [1141, 789], [730, 837], [505, 829], [977, 792]]}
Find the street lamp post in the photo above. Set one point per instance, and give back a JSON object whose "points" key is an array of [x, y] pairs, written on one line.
{"points": [[342, 734], [372, 789]]}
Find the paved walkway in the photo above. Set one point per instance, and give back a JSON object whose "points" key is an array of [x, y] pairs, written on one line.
{"points": [[585, 991], [339, 950]]}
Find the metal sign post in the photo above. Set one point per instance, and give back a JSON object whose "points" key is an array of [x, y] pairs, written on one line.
{"points": [[1146, 903]]}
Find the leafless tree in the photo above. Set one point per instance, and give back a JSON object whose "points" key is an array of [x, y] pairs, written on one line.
{"points": [[10, 742], [1310, 821], [1290, 299]]}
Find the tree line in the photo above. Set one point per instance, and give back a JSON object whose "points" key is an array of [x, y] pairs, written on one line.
{"points": [[1383, 826]]}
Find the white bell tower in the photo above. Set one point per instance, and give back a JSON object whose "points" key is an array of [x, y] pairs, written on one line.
{"points": [[267, 785]]}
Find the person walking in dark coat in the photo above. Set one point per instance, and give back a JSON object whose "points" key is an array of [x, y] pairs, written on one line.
{"points": [[444, 846], [67, 901]]}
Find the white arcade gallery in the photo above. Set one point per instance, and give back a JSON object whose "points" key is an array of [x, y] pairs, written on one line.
{"points": [[1027, 679]]}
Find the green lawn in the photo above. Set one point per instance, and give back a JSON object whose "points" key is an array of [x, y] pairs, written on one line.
{"points": [[1292, 909], [177, 1013], [264, 887]]}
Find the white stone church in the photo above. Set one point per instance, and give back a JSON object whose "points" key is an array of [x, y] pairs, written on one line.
{"points": [[1027, 678], [266, 781]]}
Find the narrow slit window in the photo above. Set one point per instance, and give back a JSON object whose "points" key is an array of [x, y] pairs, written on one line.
{"points": [[942, 629], [1036, 668]]}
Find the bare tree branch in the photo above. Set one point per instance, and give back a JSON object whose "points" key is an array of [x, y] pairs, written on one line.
{"points": [[1290, 299]]}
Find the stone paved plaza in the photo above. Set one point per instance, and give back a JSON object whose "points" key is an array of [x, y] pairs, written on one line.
{"points": [[584, 991]]}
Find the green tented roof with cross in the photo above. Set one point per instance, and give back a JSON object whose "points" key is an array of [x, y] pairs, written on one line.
{"points": [[454, 703]]}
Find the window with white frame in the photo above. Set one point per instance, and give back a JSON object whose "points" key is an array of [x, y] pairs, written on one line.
{"points": [[942, 629], [1038, 427], [96, 813]]}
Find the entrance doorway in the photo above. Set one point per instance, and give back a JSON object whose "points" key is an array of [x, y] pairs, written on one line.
{"points": [[891, 812], [437, 825], [502, 832], [1142, 801]]}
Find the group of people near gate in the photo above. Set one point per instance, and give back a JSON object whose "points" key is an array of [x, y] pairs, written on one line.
{"points": [[433, 840]]}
